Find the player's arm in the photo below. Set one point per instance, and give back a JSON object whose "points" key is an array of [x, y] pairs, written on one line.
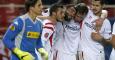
{"points": [[100, 20], [96, 36], [40, 48], [106, 33], [98, 26], [9, 40], [46, 33], [11, 33]]}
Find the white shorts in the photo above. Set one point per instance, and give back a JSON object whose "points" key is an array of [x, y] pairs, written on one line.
{"points": [[63, 56]]}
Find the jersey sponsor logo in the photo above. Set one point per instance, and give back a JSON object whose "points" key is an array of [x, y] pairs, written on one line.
{"points": [[46, 35], [34, 35], [12, 27], [92, 26], [90, 17], [74, 28]]}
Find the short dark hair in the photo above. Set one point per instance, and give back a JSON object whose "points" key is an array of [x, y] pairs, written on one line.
{"points": [[54, 8], [81, 8], [30, 3], [101, 1]]}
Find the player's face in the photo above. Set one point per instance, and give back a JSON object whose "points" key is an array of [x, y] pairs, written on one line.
{"points": [[37, 9], [71, 11], [96, 7], [60, 14], [79, 17]]}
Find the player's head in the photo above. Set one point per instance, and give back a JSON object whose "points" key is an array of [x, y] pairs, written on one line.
{"points": [[69, 12], [34, 6], [81, 11], [57, 11], [97, 6]]}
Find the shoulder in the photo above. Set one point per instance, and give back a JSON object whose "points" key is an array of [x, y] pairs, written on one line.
{"points": [[17, 21], [47, 22], [106, 21], [21, 19]]}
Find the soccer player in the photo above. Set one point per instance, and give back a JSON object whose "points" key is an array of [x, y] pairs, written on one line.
{"points": [[24, 34], [68, 33], [56, 12], [93, 33]]}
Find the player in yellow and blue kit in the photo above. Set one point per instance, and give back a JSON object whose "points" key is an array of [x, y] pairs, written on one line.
{"points": [[24, 34]]}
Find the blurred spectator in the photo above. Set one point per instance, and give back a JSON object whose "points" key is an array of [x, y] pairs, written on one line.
{"points": [[65, 2], [49, 2], [110, 2]]}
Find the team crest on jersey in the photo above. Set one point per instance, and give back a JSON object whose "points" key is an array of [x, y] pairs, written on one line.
{"points": [[34, 35], [12, 27], [46, 35]]}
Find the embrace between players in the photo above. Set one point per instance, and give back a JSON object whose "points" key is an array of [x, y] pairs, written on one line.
{"points": [[68, 31]]}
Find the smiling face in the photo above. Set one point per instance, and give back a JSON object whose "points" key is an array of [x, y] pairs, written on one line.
{"points": [[79, 17], [57, 12], [96, 7], [60, 14], [81, 12], [71, 11]]}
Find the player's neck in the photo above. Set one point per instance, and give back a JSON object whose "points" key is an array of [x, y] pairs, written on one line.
{"points": [[98, 14], [32, 15]]}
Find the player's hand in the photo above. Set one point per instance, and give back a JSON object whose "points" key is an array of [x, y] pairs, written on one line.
{"points": [[43, 53], [100, 20], [96, 36], [23, 55], [98, 24]]}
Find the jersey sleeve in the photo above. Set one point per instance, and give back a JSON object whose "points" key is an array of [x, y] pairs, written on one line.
{"points": [[46, 33], [12, 32], [106, 29], [48, 30]]}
